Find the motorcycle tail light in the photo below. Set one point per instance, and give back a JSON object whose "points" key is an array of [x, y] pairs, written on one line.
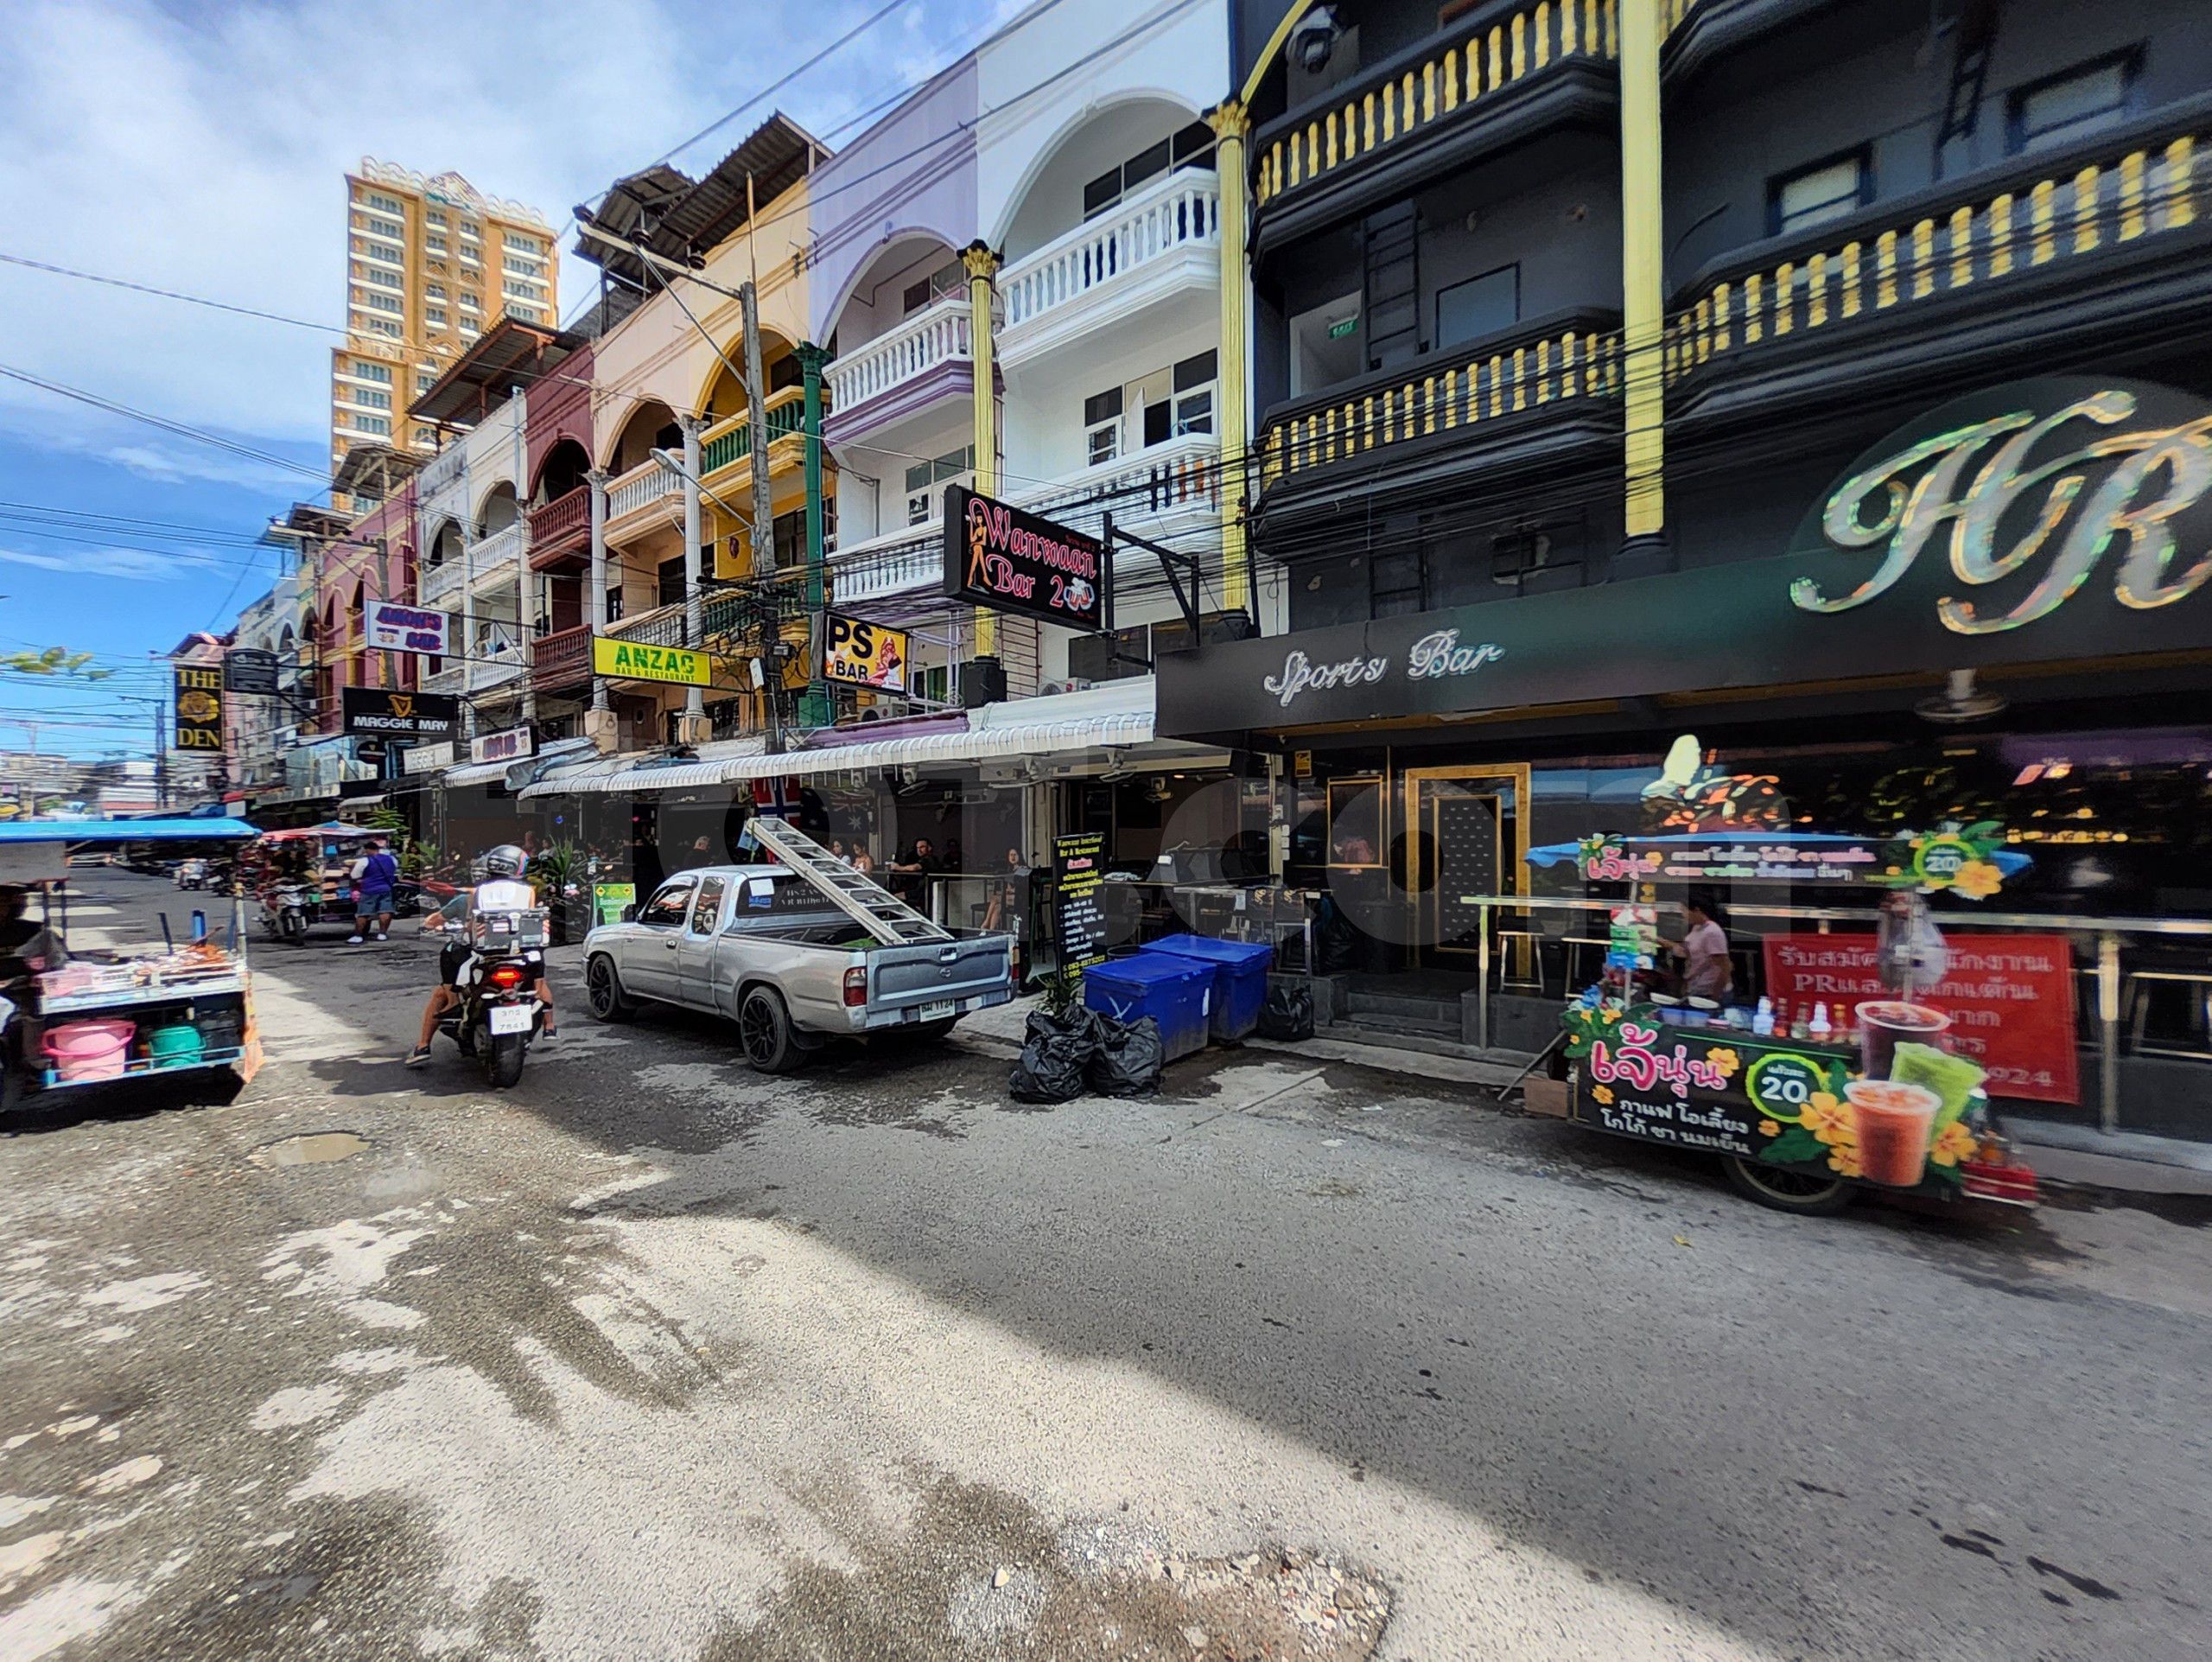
{"points": [[856, 988], [506, 976]]}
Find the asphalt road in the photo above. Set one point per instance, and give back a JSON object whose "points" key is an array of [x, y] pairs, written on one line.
{"points": [[652, 1358]]}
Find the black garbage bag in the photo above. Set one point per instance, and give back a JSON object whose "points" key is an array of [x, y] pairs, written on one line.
{"points": [[1128, 1059], [1053, 1056], [1288, 1012]]}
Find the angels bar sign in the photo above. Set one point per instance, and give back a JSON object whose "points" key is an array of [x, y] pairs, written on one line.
{"points": [[998, 557], [2038, 481]]}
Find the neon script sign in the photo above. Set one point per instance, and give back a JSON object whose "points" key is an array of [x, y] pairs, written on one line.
{"points": [[999, 557], [1431, 658], [2015, 489]]}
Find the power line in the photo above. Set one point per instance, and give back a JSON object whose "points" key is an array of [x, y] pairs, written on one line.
{"points": [[182, 429]]}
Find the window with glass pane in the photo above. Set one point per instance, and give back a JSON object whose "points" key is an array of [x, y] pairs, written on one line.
{"points": [[1488, 304], [1102, 425], [369, 371], [1194, 381], [1398, 582], [1827, 190], [2085, 99]]}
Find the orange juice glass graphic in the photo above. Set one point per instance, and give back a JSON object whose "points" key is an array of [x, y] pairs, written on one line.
{"points": [[1894, 1123]]}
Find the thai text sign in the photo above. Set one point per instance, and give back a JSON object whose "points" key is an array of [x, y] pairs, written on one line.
{"points": [[200, 708], [999, 557], [391, 627], [864, 654], [2010, 998], [635, 660], [1078, 868]]}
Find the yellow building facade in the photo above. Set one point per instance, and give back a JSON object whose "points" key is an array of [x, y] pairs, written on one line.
{"points": [[431, 262]]}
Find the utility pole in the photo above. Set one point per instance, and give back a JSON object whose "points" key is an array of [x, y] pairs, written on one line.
{"points": [[764, 512], [691, 729], [818, 710]]}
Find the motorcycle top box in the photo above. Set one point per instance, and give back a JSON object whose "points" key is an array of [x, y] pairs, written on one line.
{"points": [[510, 932]]}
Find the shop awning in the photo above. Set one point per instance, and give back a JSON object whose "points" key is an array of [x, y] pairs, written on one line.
{"points": [[1009, 738], [575, 777], [478, 773], [627, 776]]}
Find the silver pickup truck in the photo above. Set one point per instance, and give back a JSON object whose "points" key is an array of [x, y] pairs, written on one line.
{"points": [[764, 946]]}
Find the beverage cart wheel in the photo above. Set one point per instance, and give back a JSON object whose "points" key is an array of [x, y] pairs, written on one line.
{"points": [[1785, 1190]]}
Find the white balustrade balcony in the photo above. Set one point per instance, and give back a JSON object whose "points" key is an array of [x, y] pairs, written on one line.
{"points": [[441, 471], [494, 660], [435, 583], [937, 335], [1165, 238], [638, 496], [498, 557]]}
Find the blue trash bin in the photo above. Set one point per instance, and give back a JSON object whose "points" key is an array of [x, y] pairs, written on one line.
{"points": [[1240, 978], [1174, 991]]}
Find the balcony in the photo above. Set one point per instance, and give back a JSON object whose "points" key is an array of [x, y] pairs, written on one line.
{"points": [[562, 659], [497, 558], [1165, 239], [726, 448], [647, 495], [1479, 417], [1169, 490], [560, 529], [925, 359], [2098, 247], [434, 584], [495, 660], [1432, 110]]}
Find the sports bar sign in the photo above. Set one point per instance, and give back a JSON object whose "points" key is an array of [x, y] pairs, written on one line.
{"points": [[998, 557]]}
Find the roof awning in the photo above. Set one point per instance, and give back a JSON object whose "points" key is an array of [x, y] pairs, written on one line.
{"points": [[478, 773], [1113, 731], [576, 776]]}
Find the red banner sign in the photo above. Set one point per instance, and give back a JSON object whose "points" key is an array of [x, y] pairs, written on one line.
{"points": [[2010, 998]]}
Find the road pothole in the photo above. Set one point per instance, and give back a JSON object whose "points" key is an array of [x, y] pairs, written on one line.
{"points": [[314, 1149]]}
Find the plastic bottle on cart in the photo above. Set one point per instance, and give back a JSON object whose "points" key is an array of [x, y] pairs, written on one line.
{"points": [[1801, 1025], [1763, 1020], [1818, 1029]]}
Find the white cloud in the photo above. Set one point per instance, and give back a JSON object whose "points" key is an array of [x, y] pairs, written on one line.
{"points": [[203, 150], [139, 565]]}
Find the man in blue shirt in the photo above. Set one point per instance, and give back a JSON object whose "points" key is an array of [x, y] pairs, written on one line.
{"points": [[374, 875]]}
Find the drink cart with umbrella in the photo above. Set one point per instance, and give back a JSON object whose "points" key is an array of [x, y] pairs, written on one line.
{"points": [[118, 1016], [299, 877]]}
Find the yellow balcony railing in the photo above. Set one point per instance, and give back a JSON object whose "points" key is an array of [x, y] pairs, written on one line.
{"points": [[2059, 221], [1393, 104], [1448, 394]]}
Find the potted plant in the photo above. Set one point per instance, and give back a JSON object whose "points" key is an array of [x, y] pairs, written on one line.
{"points": [[555, 869]]}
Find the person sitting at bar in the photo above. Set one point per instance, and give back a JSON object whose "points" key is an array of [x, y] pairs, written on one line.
{"points": [[1706, 971]]}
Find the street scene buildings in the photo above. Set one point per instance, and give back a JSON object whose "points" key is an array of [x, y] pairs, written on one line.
{"points": [[1194, 605]]}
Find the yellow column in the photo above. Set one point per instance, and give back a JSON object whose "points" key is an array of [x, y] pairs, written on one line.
{"points": [[983, 267], [1643, 321], [1232, 127]]}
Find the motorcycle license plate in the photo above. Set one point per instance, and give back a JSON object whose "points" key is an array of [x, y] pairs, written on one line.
{"points": [[511, 1018], [937, 1012]]}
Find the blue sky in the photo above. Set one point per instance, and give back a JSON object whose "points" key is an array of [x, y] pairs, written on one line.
{"points": [[202, 148]]}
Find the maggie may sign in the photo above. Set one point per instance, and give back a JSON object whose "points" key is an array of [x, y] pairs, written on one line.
{"points": [[2027, 489], [1437, 657], [999, 557]]}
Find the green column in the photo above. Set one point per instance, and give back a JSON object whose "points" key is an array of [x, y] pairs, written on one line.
{"points": [[816, 709]]}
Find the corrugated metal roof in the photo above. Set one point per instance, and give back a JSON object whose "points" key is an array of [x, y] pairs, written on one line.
{"points": [[680, 220], [460, 393]]}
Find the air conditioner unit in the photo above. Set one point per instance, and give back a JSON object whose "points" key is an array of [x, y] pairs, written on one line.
{"points": [[1047, 689]]}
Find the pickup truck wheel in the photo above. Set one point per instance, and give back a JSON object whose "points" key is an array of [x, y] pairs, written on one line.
{"points": [[603, 989], [764, 1027]]}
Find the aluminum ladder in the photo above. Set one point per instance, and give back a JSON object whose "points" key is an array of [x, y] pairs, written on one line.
{"points": [[875, 908]]}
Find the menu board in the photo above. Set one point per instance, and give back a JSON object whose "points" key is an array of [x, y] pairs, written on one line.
{"points": [[1079, 866]]}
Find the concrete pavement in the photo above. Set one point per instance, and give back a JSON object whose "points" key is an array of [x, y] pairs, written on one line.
{"points": [[652, 1357]]}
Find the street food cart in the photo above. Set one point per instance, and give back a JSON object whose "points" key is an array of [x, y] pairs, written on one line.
{"points": [[1868, 1086], [72, 1018], [302, 877]]}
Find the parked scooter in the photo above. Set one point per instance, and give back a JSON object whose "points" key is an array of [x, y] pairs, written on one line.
{"points": [[287, 908], [500, 1012]]}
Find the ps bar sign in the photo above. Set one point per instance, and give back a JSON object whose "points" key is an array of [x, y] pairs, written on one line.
{"points": [[380, 712], [996, 555]]}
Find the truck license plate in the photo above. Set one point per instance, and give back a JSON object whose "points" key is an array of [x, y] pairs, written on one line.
{"points": [[511, 1018], [937, 1012]]}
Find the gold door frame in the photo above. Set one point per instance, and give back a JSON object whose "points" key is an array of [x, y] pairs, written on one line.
{"points": [[1516, 773]]}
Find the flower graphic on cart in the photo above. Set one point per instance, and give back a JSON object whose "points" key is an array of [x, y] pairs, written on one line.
{"points": [[1769, 1128], [1843, 1160], [1979, 880], [1829, 1119], [1602, 1093], [1723, 1061], [1952, 1143]]}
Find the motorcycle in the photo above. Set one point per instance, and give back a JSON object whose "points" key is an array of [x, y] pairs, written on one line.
{"points": [[191, 873], [500, 1012], [287, 909]]}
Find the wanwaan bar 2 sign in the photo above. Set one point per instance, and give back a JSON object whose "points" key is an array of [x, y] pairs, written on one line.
{"points": [[998, 557]]}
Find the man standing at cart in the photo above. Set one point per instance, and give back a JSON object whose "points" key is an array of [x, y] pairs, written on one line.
{"points": [[375, 875]]}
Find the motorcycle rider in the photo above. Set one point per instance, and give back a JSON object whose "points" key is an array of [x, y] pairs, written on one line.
{"points": [[502, 890]]}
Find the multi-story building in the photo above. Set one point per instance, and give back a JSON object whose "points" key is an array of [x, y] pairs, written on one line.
{"points": [[432, 263], [1709, 414]]}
